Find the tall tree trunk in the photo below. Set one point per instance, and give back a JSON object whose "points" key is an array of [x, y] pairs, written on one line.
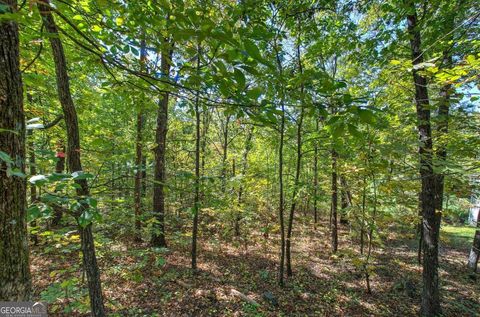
{"points": [[15, 280], [196, 202], [203, 145], [73, 158], [315, 179], [281, 207], [420, 229], [362, 224], [431, 219], [334, 203], [248, 146], [139, 154], [281, 198], [370, 236], [158, 235], [297, 169], [294, 194], [138, 176], [225, 152], [346, 200], [144, 170]]}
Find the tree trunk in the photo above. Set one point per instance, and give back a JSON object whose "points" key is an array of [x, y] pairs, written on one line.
{"points": [[297, 169], [281, 198], [15, 280], [333, 213], [248, 146], [225, 152], [362, 224], [73, 158], [346, 200], [281, 209], [431, 219], [139, 155], [203, 148], [138, 176], [315, 180], [420, 229], [196, 202], [294, 194], [158, 235]]}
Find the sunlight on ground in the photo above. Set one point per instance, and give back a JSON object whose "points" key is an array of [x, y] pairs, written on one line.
{"points": [[458, 235]]}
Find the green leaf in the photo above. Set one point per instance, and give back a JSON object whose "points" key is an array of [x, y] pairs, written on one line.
{"points": [[239, 78], [366, 115], [15, 172], [7, 130], [33, 212], [5, 157], [223, 87], [254, 93], [81, 175], [4, 8], [353, 130], [85, 218], [160, 261], [338, 130], [252, 50]]}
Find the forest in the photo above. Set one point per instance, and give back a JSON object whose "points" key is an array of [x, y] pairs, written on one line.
{"points": [[240, 157]]}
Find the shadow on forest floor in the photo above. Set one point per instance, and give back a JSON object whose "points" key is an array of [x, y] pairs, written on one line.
{"points": [[140, 282]]}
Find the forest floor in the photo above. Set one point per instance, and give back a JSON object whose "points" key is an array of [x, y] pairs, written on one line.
{"points": [[141, 281]]}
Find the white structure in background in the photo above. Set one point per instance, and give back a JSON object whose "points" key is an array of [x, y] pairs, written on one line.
{"points": [[473, 215], [474, 211]]}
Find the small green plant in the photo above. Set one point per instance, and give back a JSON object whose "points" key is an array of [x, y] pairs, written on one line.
{"points": [[69, 292]]}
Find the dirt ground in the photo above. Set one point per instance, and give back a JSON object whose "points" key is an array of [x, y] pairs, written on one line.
{"points": [[139, 281]]}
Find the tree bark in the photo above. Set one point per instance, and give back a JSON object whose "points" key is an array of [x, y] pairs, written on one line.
{"points": [[334, 203], [281, 198], [158, 235], [297, 169], [281, 207], [15, 279], [431, 219], [139, 155], [196, 202], [294, 194], [248, 146], [315, 180], [73, 157], [225, 152], [346, 200], [362, 224]]}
